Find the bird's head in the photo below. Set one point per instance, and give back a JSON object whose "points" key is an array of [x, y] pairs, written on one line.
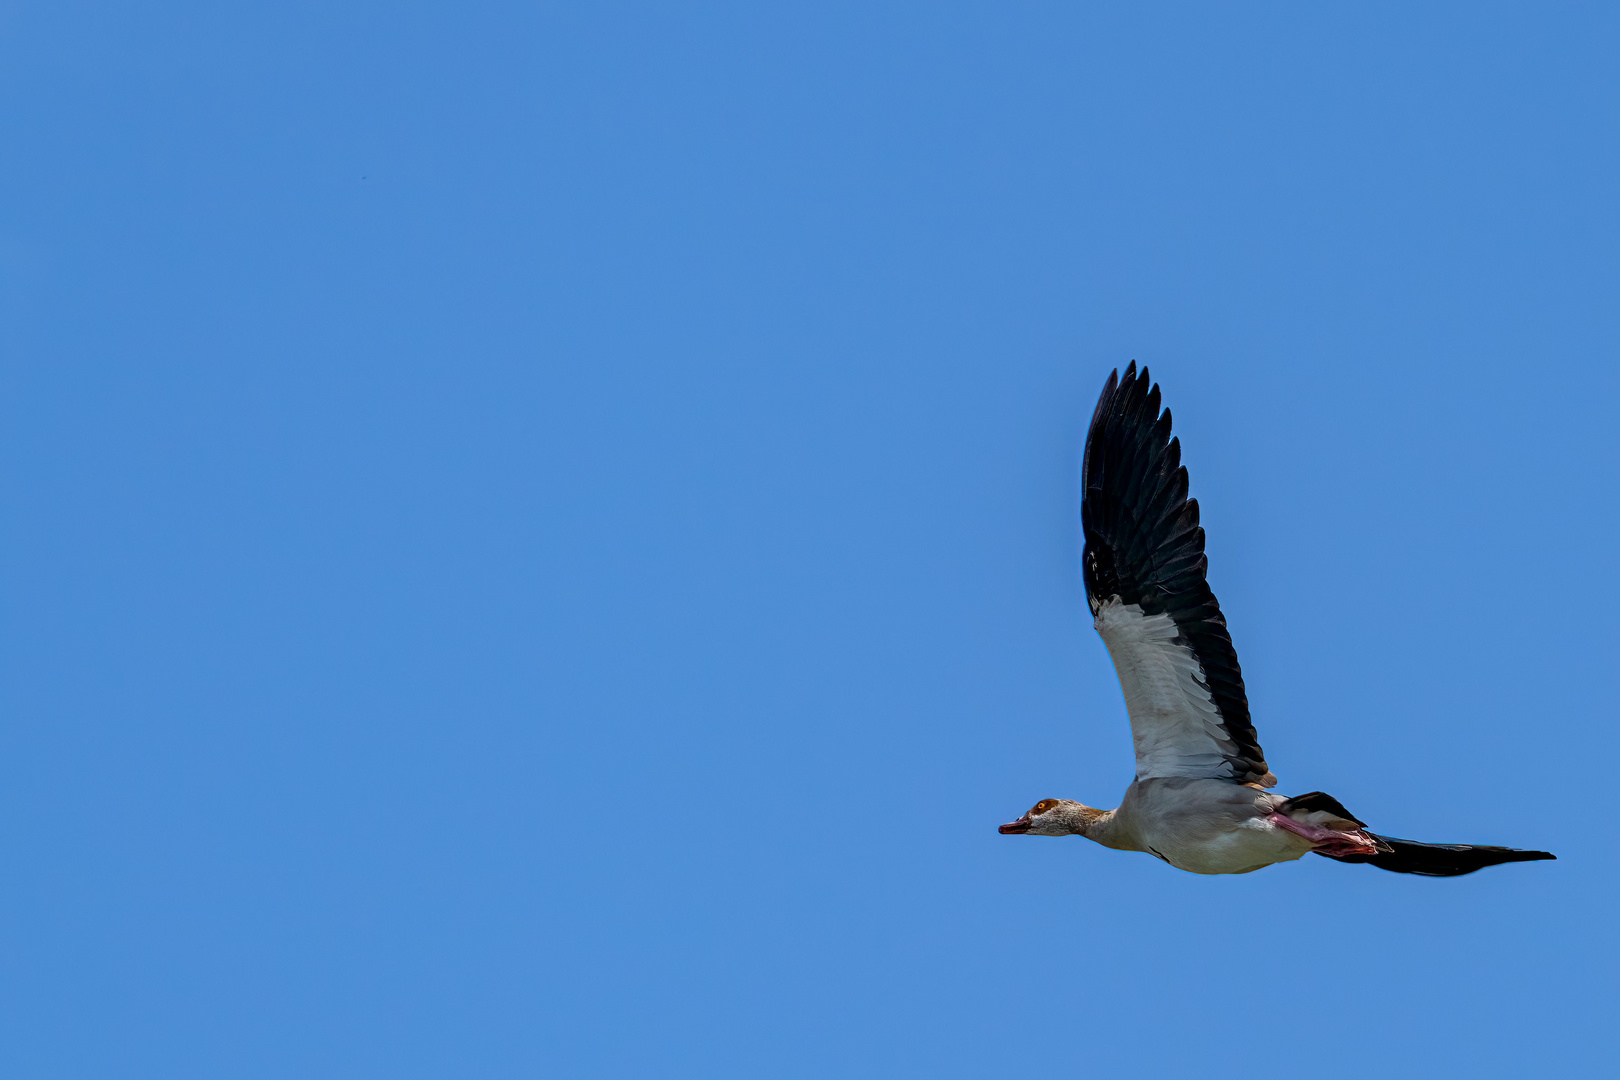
{"points": [[1055, 817]]}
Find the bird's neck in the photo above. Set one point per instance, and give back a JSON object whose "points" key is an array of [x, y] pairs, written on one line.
{"points": [[1110, 830]]}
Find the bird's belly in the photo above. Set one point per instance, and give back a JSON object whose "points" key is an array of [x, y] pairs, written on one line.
{"points": [[1235, 849]]}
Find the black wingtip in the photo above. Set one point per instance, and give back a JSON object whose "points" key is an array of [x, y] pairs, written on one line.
{"points": [[1441, 860], [1535, 856]]}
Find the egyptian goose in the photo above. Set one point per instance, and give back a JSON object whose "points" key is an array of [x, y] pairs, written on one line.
{"points": [[1199, 801]]}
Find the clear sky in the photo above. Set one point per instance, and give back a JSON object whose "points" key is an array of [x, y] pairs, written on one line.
{"points": [[542, 539]]}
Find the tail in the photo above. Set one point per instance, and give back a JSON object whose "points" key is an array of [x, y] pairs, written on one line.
{"points": [[1438, 860]]}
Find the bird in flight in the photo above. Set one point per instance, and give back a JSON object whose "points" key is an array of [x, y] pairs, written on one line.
{"points": [[1200, 800]]}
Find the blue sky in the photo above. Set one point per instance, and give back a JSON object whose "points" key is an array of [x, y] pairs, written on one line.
{"points": [[543, 538]]}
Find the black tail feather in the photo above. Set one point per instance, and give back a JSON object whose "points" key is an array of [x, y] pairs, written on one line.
{"points": [[1438, 860]]}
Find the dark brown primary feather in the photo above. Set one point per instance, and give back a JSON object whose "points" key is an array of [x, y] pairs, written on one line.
{"points": [[1145, 546]]}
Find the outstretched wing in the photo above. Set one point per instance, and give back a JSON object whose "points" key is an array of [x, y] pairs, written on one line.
{"points": [[1144, 568], [1439, 860]]}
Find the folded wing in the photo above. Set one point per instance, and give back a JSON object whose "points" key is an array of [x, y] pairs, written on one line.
{"points": [[1144, 569]]}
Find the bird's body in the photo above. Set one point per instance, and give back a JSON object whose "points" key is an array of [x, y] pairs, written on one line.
{"points": [[1200, 800], [1211, 826], [1203, 826]]}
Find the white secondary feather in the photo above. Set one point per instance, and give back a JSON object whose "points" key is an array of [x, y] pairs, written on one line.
{"points": [[1174, 722]]}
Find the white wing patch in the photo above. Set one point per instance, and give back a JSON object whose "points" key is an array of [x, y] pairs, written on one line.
{"points": [[1174, 722]]}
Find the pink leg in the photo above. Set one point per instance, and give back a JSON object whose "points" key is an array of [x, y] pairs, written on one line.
{"points": [[1328, 841]]}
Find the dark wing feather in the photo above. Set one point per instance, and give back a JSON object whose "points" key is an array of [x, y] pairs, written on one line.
{"points": [[1145, 550], [1439, 860]]}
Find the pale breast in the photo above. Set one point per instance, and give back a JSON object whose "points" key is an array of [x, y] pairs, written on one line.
{"points": [[1208, 826]]}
